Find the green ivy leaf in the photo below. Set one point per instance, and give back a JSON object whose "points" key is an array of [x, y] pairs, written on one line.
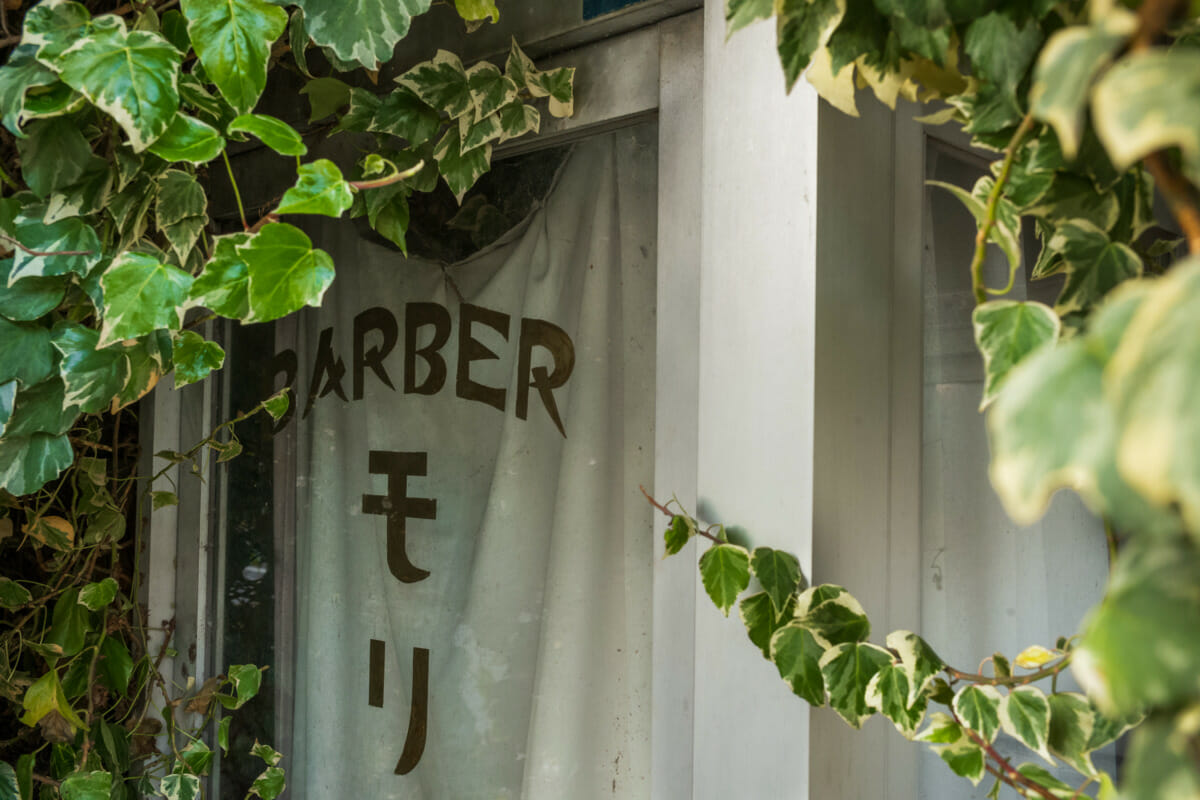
{"points": [[13, 595], [27, 463], [797, 656], [803, 28], [180, 786], [919, 660], [761, 621], [1138, 646], [21, 73], [269, 785], [195, 357], [888, 693], [65, 236], [517, 119], [1006, 331], [246, 680], [267, 753], [70, 624], [116, 665], [1161, 763], [1006, 232], [325, 96], [131, 76], [96, 596], [94, 377], [274, 133], [28, 299], [477, 10], [678, 534], [461, 170], [198, 757], [1025, 716], [149, 359], [1043, 778], [141, 295], [441, 83], [1095, 264], [319, 189], [54, 155], [1000, 50], [490, 89], [223, 734], [1066, 68], [943, 729], [1072, 721], [9, 790], [284, 272], [966, 759], [1072, 197], [838, 620], [95, 785], [188, 139], [27, 356], [223, 286], [163, 500], [740, 13], [848, 669], [365, 31], [232, 39], [277, 404], [725, 572], [979, 709]]}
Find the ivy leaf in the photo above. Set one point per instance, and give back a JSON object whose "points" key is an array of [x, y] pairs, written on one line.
{"points": [[223, 286], [365, 31], [441, 83], [559, 86], [919, 660], [740, 13], [979, 709], [477, 10], [141, 295], [96, 596], [53, 27], [797, 656], [1138, 646], [1000, 51], [54, 155], [761, 621], [1066, 68], [325, 96], [1161, 763], [319, 189], [277, 404], [149, 359], [21, 73], [285, 272], [838, 620], [1025, 716], [965, 758], [93, 377], [725, 573], [1006, 331], [519, 66], [678, 534], [1095, 264], [476, 134], [246, 680], [116, 665], [268, 785], [803, 28], [1072, 721], [27, 356], [1046, 780], [1006, 232], [59, 534], [888, 693], [267, 753], [95, 785], [848, 669], [779, 574], [65, 236], [232, 39], [13, 595], [131, 76], [517, 119], [223, 734], [195, 357], [46, 695], [1130, 102], [490, 89], [461, 170], [1072, 197], [180, 786], [27, 463], [274, 133], [298, 40], [8, 397], [188, 139]]}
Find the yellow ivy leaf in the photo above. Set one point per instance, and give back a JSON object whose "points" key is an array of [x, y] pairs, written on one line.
{"points": [[1035, 656]]}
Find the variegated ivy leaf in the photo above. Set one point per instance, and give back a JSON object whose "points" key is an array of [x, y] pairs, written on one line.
{"points": [[195, 357], [965, 758], [26, 356], [920, 661], [1129, 103], [387, 213], [223, 286], [477, 10], [319, 189], [838, 620], [65, 246], [476, 134], [797, 656], [131, 76], [519, 66], [211, 108], [403, 114], [1161, 762], [778, 573], [365, 31], [54, 155], [141, 295], [442, 83], [1006, 232], [848, 669], [149, 360], [1073, 197], [559, 86], [1006, 331], [94, 377], [361, 111], [188, 139], [8, 398], [1106, 729], [489, 89], [12, 596], [21, 73], [813, 596], [1095, 264], [1025, 716], [88, 195], [802, 29], [888, 694], [725, 573], [518, 119], [42, 408], [761, 621], [942, 729], [299, 41], [461, 170], [1001, 50], [232, 39], [1066, 68], [1042, 777], [678, 534], [979, 709], [54, 25], [740, 13], [1072, 721], [285, 273], [274, 133], [1139, 645], [96, 596], [179, 196], [27, 463]]}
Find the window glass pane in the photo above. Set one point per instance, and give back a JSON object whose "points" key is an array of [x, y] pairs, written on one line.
{"points": [[455, 499], [988, 584]]}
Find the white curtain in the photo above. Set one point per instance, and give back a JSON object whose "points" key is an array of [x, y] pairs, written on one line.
{"points": [[536, 608]]}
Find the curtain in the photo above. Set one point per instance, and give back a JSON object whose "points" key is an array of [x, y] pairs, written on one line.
{"points": [[474, 557]]}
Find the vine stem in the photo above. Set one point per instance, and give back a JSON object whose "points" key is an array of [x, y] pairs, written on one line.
{"points": [[15, 243], [989, 219], [1012, 680], [237, 195], [669, 513], [396, 177], [1004, 769]]}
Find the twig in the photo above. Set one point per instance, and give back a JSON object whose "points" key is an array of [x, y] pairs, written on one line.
{"points": [[13, 241], [989, 220], [1011, 680], [266, 219], [388, 180], [1005, 770], [668, 512]]}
